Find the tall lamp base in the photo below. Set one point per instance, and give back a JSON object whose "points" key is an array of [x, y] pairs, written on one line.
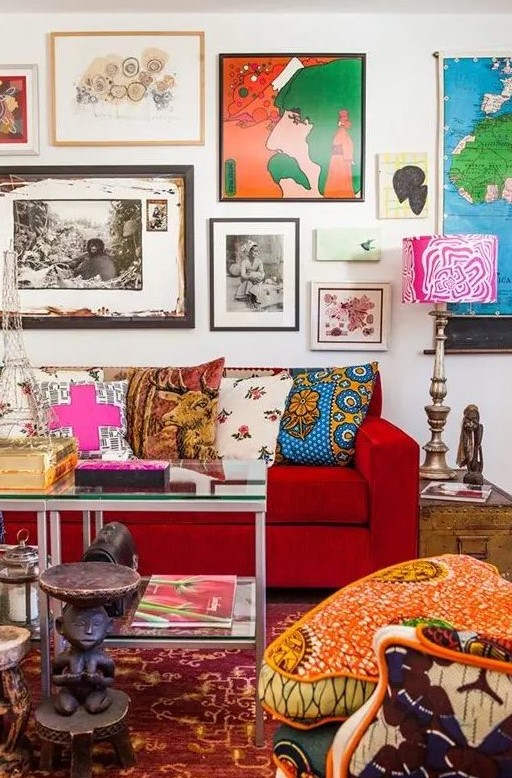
{"points": [[434, 466]]}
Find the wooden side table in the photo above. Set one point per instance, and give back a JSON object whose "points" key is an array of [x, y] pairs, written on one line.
{"points": [[14, 699], [482, 530]]}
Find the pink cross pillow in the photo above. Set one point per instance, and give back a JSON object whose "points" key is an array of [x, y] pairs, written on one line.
{"points": [[94, 413]]}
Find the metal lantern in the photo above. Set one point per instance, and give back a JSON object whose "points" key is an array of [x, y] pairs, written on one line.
{"points": [[19, 574]]}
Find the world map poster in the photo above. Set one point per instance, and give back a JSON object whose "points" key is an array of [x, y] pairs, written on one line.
{"points": [[476, 160]]}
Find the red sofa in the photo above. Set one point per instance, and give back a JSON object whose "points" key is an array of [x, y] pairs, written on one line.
{"points": [[326, 526]]}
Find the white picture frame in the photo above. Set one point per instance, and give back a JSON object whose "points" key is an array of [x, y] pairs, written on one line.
{"points": [[19, 110], [350, 316], [127, 88]]}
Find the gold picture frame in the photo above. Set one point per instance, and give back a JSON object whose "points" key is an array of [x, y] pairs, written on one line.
{"points": [[127, 88]]}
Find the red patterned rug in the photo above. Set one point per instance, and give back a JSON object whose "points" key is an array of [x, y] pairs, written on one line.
{"points": [[191, 713]]}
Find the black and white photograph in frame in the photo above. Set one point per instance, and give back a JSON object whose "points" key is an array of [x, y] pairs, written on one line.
{"points": [[122, 235], [78, 244], [254, 274]]}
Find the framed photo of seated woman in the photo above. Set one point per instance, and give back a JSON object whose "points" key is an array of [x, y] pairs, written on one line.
{"points": [[292, 127], [254, 274]]}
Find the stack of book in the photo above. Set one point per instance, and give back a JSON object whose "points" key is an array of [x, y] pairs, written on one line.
{"points": [[187, 601], [453, 490], [35, 462]]}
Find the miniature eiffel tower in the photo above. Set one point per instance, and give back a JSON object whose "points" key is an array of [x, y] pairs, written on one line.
{"points": [[22, 412]]}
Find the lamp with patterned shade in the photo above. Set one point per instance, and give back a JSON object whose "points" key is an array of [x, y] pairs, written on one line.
{"points": [[443, 269]]}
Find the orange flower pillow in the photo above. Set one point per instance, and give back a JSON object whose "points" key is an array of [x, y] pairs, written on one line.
{"points": [[324, 668]]}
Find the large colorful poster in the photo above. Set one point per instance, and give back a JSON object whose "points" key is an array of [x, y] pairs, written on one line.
{"points": [[292, 126], [476, 162]]}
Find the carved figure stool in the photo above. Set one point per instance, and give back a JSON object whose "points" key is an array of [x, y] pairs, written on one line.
{"points": [[85, 708], [80, 731], [15, 697]]}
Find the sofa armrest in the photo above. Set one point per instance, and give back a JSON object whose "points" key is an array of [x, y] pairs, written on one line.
{"points": [[388, 458]]}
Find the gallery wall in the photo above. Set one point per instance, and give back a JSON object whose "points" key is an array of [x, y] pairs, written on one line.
{"points": [[401, 115]]}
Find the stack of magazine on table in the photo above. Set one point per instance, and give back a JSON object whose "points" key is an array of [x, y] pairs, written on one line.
{"points": [[187, 601], [453, 490]]}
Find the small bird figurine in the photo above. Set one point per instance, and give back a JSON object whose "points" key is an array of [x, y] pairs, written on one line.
{"points": [[367, 245]]}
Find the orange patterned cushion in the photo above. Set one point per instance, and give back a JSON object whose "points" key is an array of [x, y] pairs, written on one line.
{"points": [[324, 668], [172, 411]]}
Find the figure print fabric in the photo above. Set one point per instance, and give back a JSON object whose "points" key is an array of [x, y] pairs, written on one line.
{"points": [[292, 127]]}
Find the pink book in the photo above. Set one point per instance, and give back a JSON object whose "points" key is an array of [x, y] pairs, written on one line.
{"points": [[134, 473], [187, 601]]}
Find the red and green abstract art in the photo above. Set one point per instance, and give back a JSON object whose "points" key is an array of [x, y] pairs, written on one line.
{"points": [[13, 109]]}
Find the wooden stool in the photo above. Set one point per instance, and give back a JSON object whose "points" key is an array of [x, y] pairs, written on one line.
{"points": [[15, 697], [80, 731]]}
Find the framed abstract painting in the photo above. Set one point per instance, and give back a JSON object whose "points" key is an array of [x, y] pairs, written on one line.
{"points": [[403, 185], [254, 274], [127, 88], [19, 111], [109, 247], [292, 127], [350, 316]]}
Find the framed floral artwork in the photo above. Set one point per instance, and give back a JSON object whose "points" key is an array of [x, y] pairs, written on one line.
{"points": [[254, 274], [91, 248], [292, 126], [127, 88], [19, 111], [350, 316]]}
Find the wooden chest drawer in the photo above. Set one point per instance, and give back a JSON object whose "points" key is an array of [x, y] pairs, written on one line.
{"points": [[482, 530]]}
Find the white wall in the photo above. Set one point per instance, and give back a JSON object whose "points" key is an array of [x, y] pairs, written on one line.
{"points": [[401, 116]]}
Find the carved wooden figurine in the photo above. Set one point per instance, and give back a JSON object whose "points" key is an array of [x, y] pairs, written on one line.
{"points": [[83, 672], [469, 454]]}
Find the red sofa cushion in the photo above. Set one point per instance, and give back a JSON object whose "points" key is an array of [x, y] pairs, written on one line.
{"points": [[308, 494]]}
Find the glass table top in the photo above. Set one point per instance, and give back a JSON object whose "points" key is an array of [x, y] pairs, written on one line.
{"points": [[218, 480]]}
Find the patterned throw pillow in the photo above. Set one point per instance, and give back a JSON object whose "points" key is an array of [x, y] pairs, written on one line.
{"points": [[172, 411], [20, 397], [94, 413], [324, 667], [249, 413], [324, 410]]}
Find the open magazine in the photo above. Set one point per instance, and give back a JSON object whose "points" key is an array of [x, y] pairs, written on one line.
{"points": [[187, 601], [454, 490]]}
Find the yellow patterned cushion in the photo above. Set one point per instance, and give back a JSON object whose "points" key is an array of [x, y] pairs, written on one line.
{"points": [[324, 668], [323, 412]]}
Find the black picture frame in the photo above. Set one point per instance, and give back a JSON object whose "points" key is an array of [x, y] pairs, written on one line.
{"points": [[163, 295], [478, 335], [272, 302], [292, 127]]}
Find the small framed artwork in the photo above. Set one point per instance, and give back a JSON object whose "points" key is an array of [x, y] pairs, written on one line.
{"points": [[350, 316], [254, 274], [292, 126], [127, 88], [19, 112], [156, 215], [101, 246], [348, 244], [403, 185]]}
